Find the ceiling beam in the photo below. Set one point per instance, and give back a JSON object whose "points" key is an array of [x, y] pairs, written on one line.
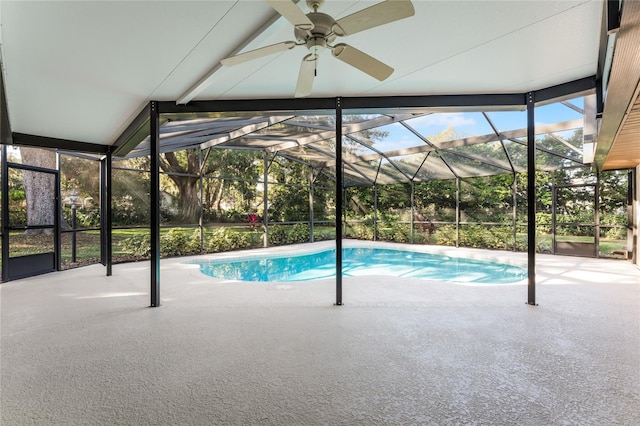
{"points": [[312, 106], [245, 130], [473, 140], [135, 133], [346, 130], [435, 101], [206, 80], [571, 89], [55, 143]]}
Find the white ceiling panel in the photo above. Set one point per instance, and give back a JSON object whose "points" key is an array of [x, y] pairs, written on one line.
{"points": [[81, 70]]}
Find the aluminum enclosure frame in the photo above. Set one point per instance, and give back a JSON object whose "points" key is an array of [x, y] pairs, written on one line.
{"points": [[338, 105]]}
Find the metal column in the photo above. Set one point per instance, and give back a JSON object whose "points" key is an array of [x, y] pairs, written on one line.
{"points": [[597, 214], [265, 200], [5, 214], [339, 204], [457, 212], [109, 220], [531, 198], [155, 203], [412, 211], [310, 204], [345, 229], [514, 188], [201, 215], [375, 212], [554, 209], [106, 226]]}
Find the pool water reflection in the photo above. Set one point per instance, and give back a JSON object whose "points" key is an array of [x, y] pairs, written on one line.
{"points": [[364, 262]]}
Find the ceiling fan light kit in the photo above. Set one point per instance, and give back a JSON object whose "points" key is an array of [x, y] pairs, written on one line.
{"points": [[317, 31]]}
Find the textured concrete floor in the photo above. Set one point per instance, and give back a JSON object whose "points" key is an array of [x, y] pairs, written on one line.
{"points": [[80, 348]]}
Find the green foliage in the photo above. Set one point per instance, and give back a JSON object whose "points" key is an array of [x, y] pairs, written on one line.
{"points": [[85, 217], [395, 232], [477, 236], [129, 211], [487, 237], [17, 207], [174, 243], [88, 218], [18, 217], [226, 216], [227, 239], [300, 233], [282, 234], [389, 228], [360, 230], [323, 234], [16, 195], [278, 235], [543, 222], [288, 203], [178, 242], [137, 245]]}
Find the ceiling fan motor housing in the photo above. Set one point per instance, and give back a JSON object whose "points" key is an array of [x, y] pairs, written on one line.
{"points": [[321, 34]]}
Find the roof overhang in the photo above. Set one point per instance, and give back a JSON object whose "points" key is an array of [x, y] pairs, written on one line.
{"points": [[618, 144]]}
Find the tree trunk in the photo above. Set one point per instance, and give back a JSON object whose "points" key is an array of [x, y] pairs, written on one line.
{"points": [[39, 189], [218, 199], [189, 200]]}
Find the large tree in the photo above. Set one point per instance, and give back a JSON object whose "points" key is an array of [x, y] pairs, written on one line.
{"points": [[187, 165], [39, 188], [184, 169]]}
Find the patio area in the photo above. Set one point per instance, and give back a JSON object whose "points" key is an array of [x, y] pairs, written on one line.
{"points": [[82, 348]]}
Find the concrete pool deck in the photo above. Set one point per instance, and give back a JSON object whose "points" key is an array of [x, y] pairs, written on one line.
{"points": [[81, 348]]}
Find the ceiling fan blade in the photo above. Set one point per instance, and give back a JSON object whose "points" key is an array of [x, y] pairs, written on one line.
{"points": [[365, 63], [373, 16], [306, 75], [258, 53], [291, 13]]}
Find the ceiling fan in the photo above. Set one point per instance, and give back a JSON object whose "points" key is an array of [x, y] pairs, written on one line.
{"points": [[317, 31]]}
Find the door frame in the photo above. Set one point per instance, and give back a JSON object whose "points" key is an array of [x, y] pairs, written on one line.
{"points": [[577, 248], [17, 267]]}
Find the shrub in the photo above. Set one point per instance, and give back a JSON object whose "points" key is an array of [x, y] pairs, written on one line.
{"points": [[395, 232], [18, 217], [487, 237], [227, 239], [173, 243], [127, 211], [299, 233], [446, 235], [193, 244], [87, 218], [323, 235], [618, 233], [137, 245], [282, 234], [277, 235], [360, 231]]}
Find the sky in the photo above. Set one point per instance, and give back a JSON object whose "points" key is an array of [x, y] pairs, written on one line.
{"points": [[473, 123]]}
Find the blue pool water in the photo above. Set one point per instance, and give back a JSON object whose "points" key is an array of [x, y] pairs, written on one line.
{"points": [[363, 262]]}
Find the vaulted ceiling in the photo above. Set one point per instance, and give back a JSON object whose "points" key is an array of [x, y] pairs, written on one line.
{"points": [[82, 71]]}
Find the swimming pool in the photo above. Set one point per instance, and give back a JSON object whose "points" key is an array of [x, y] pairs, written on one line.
{"points": [[363, 262]]}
